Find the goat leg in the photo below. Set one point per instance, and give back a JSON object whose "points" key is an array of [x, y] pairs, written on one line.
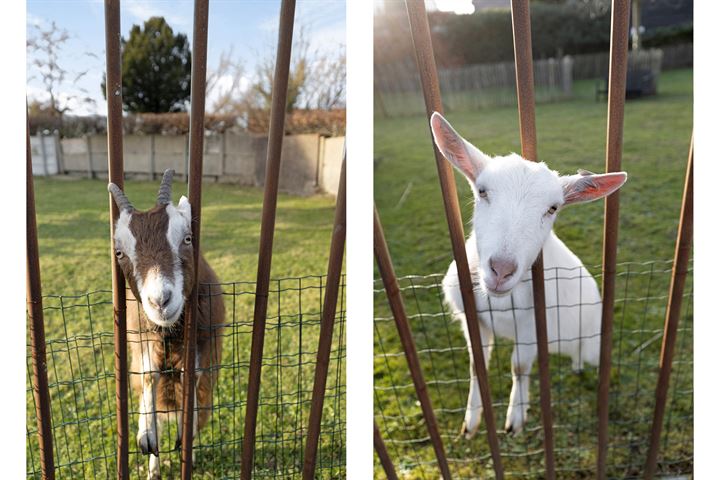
{"points": [[147, 437], [523, 358], [474, 409]]}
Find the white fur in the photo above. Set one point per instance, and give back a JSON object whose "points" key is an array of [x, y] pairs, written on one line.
{"points": [[151, 288], [178, 223], [513, 219], [148, 425], [124, 239]]}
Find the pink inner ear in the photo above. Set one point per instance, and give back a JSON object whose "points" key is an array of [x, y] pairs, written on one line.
{"points": [[592, 187], [452, 146]]}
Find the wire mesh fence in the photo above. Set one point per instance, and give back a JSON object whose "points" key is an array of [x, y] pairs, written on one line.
{"points": [[641, 299], [81, 375]]}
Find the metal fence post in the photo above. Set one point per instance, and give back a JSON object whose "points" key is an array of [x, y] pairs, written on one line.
{"points": [[422, 42], [197, 121], [115, 175], [683, 246], [382, 454], [520, 11], [337, 249], [41, 390], [267, 230], [392, 290], [616, 109]]}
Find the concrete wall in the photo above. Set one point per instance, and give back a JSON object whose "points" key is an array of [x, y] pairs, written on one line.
{"points": [[310, 163], [46, 158], [333, 148]]}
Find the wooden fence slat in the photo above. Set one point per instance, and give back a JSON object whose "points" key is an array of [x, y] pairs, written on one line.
{"points": [[422, 43], [520, 10], [332, 287], [41, 390], [616, 109], [197, 134], [392, 290], [116, 176], [267, 229], [672, 316]]}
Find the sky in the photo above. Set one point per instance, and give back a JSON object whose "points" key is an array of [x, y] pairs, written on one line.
{"points": [[461, 7], [249, 27]]}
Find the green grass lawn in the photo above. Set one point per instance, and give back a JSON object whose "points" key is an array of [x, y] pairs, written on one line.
{"points": [[75, 267], [571, 135]]}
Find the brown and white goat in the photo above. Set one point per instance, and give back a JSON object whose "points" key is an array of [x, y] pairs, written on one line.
{"points": [[154, 250]]}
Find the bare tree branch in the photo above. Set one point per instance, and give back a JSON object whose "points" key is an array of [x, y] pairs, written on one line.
{"points": [[44, 49]]}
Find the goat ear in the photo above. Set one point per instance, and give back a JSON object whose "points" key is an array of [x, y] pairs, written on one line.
{"points": [[184, 208], [587, 186], [461, 153]]}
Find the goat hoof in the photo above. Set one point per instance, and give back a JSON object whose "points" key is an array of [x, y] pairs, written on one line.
{"points": [[513, 428], [154, 476], [468, 433], [147, 443]]}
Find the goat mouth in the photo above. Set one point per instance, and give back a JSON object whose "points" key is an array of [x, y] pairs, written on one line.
{"points": [[165, 319], [171, 316], [499, 292]]}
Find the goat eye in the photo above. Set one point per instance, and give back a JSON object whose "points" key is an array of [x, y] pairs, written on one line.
{"points": [[188, 239], [119, 254], [552, 210], [482, 193]]}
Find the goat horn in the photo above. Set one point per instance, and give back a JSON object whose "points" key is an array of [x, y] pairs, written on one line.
{"points": [[165, 193], [120, 198]]}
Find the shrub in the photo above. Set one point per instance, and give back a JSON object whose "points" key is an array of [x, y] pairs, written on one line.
{"points": [[486, 37], [668, 35], [324, 122]]}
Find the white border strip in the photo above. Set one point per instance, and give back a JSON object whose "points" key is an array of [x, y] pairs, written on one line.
{"points": [[360, 258]]}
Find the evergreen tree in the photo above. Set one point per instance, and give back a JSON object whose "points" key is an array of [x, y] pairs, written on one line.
{"points": [[155, 69]]}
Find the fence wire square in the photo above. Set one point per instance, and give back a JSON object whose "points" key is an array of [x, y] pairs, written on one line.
{"points": [[641, 298], [80, 359]]}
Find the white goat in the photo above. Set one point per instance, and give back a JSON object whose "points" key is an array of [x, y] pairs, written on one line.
{"points": [[516, 204]]}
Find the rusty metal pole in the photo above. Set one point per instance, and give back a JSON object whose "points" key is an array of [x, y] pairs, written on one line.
{"points": [[197, 132], [616, 110], [422, 42], [522, 39], [672, 318], [116, 175], [387, 272], [41, 390], [267, 229], [337, 250], [383, 454]]}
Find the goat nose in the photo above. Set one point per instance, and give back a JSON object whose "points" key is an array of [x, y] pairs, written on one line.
{"points": [[162, 300], [166, 297], [503, 268]]}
